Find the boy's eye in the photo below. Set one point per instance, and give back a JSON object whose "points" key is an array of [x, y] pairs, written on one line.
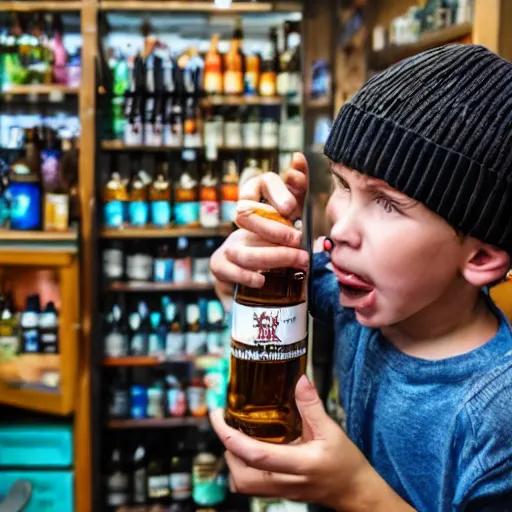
{"points": [[387, 205], [339, 181]]}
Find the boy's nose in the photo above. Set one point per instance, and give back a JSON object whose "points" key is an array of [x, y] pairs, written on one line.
{"points": [[345, 230]]}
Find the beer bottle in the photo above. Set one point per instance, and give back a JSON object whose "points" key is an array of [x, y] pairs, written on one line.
{"points": [[268, 355]]}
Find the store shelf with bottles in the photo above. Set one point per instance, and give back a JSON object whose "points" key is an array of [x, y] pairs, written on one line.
{"points": [[38, 371], [118, 145]]}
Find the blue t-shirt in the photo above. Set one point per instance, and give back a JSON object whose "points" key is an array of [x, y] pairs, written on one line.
{"points": [[439, 432]]}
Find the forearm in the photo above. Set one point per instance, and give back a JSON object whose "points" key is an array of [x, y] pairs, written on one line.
{"points": [[372, 494]]}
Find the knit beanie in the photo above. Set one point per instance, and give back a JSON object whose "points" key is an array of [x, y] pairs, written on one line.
{"points": [[438, 127]]}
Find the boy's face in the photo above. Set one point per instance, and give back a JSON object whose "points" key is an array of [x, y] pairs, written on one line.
{"points": [[393, 257]]}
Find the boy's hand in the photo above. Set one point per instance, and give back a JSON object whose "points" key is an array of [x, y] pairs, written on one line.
{"points": [[323, 467], [262, 243]]}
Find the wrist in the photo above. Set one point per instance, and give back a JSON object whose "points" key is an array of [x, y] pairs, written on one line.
{"points": [[369, 492]]}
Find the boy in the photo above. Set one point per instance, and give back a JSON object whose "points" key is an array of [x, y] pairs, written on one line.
{"points": [[421, 209]]}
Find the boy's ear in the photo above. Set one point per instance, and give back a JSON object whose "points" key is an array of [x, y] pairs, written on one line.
{"points": [[485, 265]]}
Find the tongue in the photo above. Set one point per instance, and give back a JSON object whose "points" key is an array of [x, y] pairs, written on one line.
{"points": [[356, 282]]}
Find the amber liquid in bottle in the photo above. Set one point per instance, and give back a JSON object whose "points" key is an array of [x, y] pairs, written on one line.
{"points": [[268, 356]]}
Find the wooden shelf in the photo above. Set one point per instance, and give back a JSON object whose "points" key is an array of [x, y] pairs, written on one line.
{"points": [[49, 401], [8, 235], [173, 232], [29, 6], [384, 58], [242, 100], [149, 286], [24, 90], [117, 145], [191, 6], [159, 423], [132, 361]]}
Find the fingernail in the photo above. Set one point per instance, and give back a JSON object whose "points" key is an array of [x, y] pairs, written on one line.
{"points": [[328, 244]]}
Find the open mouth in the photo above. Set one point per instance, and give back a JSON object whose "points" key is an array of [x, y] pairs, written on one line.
{"points": [[356, 292]]}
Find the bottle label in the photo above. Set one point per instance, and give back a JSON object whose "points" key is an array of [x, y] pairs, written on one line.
{"points": [[196, 398], [113, 263], [233, 134], [174, 344], [116, 344], [195, 343], [160, 213], [209, 214], [251, 82], [270, 334], [133, 133], [119, 404], [251, 132], [158, 486], [233, 82], [176, 402], [163, 270], [114, 214], [228, 211], [139, 267], [181, 485], [138, 213], [156, 345], [117, 485], [30, 340], [186, 213]]}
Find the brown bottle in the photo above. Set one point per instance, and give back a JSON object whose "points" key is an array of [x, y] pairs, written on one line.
{"points": [[234, 63], [212, 82], [268, 355]]}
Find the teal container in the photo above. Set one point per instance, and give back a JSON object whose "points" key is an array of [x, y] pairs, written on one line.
{"points": [[52, 491], [30, 446]]}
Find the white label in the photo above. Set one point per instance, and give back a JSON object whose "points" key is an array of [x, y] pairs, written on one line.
{"points": [[180, 484], [261, 327]]}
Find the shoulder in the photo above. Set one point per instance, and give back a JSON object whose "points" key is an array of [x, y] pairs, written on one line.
{"points": [[485, 429]]}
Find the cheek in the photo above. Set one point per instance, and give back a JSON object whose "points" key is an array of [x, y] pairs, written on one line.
{"points": [[417, 267]]}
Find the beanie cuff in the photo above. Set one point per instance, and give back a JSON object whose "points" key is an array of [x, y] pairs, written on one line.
{"points": [[447, 182]]}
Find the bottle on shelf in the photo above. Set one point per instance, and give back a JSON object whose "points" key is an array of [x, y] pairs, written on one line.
{"points": [[9, 332], [153, 121], [138, 206], [119, 397], [115, 341], [251, 129], [49, 329], [158, 480], [29, 322], [196, 395], [113, 261], [115, 198], [289, 81], [269, 129], [229, 191], [270, 67], [186, 194], [160, 199], [268, 355], [25, 186], [163, 264], [234, 63], [156, 400], [134, 103], [233, 128], [176, 399], [192, 132], [138, 397], [209, 209], [175, 338], [156, 338], [139, 262], [252, 74], [209, 485], [140, 328], [180, 474], [213, 68], [117, 481], [195, 336], [139, 476]]}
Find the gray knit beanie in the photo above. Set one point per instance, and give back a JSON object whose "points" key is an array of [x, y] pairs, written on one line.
{"points": [[438, 127]]}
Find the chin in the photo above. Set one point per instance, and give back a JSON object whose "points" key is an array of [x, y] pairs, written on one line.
{"points": [[373, 321]]}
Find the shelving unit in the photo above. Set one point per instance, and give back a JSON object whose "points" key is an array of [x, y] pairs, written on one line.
{"points": [[384, 58]]}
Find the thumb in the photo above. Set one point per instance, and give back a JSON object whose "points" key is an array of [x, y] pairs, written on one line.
{"points": [[311, 409]]}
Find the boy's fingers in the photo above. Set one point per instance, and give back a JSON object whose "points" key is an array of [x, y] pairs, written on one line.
{"points": [[256, 482], [225, 270], [271, 230], [262, 258], [286, 459]]}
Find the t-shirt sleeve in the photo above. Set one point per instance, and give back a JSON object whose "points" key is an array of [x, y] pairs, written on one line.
{"points": [[485, 477], [323, 290]]}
